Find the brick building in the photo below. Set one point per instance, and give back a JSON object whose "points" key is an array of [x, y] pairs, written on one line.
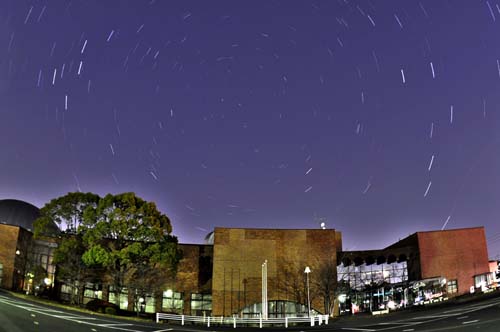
{"points": [[225, 276], [23, 259], [424, 267], [237, 271]]}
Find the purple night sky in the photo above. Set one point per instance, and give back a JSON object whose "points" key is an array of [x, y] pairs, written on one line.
{"points": [[381, 116]]}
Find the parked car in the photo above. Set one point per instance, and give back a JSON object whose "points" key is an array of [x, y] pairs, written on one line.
{"points": [[102, 306]]}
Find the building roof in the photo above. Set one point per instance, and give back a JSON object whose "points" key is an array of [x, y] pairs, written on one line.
{"points": [[23, 214]]}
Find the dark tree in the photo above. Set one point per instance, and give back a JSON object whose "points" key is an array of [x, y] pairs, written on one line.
{"points": [[126, 235], [67, 213]]}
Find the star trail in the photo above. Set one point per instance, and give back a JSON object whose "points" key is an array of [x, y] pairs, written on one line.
{"points": [[379, 117]]}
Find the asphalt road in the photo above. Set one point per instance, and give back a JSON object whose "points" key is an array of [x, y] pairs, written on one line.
{"points": [[21, 316], [475, 316]]}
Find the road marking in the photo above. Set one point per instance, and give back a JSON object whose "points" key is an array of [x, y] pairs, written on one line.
{"points": [[163, 330], [434, 316], [357, 329], [408, 330], [463, 317], [114, 324], [471, 321], [33, 315], [400, 323], [36, 323]]}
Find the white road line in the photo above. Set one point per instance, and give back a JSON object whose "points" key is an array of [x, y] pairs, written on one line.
{"points": [[471, 321], [400, 323], [66, 316], [357, 329], [434, 316], [114, 324], [163, 330], [463, 317], [408, 330]]}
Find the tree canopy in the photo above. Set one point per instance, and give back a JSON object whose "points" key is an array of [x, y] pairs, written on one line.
{"points": [[65, 211], [111, 238], [124, 233]]}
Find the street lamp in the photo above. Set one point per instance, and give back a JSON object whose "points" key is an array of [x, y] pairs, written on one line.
{"points": [[307, 271], [264, 290]]}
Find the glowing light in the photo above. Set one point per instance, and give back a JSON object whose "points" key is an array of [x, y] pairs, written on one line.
{"points": [[168, 293]]}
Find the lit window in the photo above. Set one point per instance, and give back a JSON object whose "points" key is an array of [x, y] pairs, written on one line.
{"points": [[201, 302], [172, 301], [452, 287]]}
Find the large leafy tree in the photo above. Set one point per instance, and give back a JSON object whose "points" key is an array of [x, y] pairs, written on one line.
{"points": [[126, 234], [67, 213]]}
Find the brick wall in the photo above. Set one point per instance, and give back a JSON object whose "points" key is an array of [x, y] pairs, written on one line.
{"points": [[8, 244], [238, 258], [454, 254]]}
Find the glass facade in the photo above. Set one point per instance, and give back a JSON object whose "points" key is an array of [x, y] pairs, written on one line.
{"points": [[372, 287], [363, 276]]}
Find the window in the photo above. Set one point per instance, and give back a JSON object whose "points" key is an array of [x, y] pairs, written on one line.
{"points": [[480, 281], [150, 304], [91, 291], [452, 287], [172, 301], [201, 302], [123, 297]]}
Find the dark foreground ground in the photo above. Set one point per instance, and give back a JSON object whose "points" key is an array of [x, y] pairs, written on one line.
{"points": [[17, 315]]}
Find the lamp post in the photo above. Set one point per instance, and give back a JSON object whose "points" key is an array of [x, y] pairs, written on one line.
{"points": [[264, 289], [307, 271]]}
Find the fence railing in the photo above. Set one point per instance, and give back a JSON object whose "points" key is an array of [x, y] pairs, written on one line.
{"points": [[236, 321]]}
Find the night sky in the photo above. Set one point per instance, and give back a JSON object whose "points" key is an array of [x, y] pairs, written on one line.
{"points": [[380, 117]]}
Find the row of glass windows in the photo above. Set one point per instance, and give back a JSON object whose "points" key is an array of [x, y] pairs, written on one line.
{"points": [[277, 309], [171, 301], [359, 277]]}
